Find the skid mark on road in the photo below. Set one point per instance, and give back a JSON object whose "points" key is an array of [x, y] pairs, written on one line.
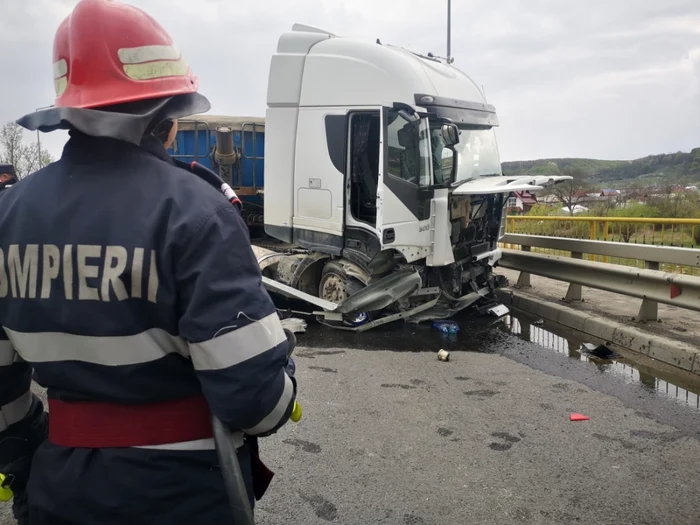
{"points": [[561, 387], [313, 354], [663, 437], [324, 369], [323, 508], [482, 393], [610, 439], [306, 446], [508, 440], [396, 385], [444, 432]]}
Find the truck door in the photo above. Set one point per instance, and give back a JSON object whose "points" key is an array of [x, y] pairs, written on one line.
{"points": [[405, 176]]}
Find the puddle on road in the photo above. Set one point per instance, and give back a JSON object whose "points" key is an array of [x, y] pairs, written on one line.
{"points": [[476, 334], [481, 334], [568, 342]]}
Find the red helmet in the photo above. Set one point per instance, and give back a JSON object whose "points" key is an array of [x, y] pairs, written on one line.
{"points": [[108, 53]]}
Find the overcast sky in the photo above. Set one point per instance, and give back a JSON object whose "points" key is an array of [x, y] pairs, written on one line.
{"points": [[612, 79]]}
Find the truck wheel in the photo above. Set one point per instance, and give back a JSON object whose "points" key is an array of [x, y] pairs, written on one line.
{"points": [[336, 286]]}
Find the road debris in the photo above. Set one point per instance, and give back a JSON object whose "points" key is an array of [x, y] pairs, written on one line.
{"points": [[599, 351], [443, 355], [294, 324], [578, 417], [446, 327]]}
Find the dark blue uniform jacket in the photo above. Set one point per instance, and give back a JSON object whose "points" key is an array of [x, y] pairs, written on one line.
{"points": [[126, 279]]}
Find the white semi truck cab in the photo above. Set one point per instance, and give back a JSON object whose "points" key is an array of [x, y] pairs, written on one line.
{"points": [[360, 162], [382, 181]]}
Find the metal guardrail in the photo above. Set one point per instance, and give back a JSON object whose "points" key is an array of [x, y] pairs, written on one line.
{"points": [[636, 230], [650, 285], [649, 254], [638, 234]]}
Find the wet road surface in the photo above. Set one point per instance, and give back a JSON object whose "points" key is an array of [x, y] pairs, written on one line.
{"points": [[397, 437], [390, 435]]}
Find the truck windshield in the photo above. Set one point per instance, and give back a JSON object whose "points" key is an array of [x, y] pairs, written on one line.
{"points": [[443, 156], [477, 154]]}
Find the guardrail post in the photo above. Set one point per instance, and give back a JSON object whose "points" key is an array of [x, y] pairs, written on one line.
{"points": [[575, 292], [649, 310], [524, 277]]}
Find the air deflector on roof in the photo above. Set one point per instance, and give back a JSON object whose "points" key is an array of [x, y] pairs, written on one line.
{"points": [[309, 29]]}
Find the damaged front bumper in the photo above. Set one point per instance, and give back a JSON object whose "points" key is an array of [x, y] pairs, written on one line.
{"points": [[391, 298]]}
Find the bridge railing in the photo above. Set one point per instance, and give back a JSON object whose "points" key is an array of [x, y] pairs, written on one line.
{"points": [[560, 251], [677, 233]]}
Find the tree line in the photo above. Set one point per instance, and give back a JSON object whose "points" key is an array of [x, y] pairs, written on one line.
{"points": [[679, 165], [25, 157]]}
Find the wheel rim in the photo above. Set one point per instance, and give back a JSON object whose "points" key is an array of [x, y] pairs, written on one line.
{"points": [[334, 288]]}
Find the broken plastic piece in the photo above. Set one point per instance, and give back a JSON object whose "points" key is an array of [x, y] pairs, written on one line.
{"points": [[578, 417], [294, 324], [443, 355], [447, 327], [499, 310]]}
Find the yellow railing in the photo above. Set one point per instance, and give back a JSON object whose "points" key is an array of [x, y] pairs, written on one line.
{"points": [[684, 233]]}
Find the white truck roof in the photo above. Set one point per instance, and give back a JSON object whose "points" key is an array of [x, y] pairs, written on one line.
{"points": [[313, 67]]}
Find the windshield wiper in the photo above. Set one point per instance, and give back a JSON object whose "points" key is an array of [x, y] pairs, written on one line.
{"points": [[474, 177]]}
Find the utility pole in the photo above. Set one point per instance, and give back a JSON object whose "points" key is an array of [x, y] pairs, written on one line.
{"points": [[38, 139], [449, 31]]}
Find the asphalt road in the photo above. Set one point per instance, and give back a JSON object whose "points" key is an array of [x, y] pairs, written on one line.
{"points": [[397, 437]]}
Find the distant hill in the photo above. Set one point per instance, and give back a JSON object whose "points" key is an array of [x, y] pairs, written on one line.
{"points": [[654, 169]]}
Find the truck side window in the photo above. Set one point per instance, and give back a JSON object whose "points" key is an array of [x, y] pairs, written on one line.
{"points": [[409, 149], [364, 166]]}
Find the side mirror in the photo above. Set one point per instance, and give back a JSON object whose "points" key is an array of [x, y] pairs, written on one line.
{"points": [[450, 134]]}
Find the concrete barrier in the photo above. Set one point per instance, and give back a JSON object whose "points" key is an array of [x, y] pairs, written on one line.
{"points": [[666, 350]]}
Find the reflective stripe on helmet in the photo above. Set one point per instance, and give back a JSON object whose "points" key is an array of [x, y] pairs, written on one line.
{"points": [[60, 76], [138, 55], [156, 61], [151, 70]]}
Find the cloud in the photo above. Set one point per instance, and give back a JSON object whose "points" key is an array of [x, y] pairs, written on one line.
{"points": [[601, 78]]}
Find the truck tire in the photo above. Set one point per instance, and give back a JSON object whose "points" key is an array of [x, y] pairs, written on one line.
{"points": [[336, 286]]}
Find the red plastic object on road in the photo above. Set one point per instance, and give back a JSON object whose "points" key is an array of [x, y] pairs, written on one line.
{"points": [[578, 417]]}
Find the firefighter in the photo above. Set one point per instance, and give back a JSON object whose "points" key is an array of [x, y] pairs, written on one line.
{"points": [[129, 287], [7, 176]]}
